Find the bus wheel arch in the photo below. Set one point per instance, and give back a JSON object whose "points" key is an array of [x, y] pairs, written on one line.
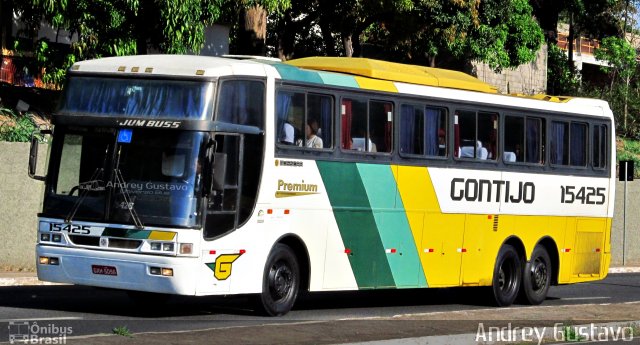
{"points": [[284, 277], [507, 272], [552, 249], [302, 255], [538, 273]]}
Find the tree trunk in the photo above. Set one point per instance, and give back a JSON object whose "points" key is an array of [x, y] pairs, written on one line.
{"points": [[347, 44], [626, 103], [253, 31], [547, 14], [329, 42], [432, 61], [570, 42]]}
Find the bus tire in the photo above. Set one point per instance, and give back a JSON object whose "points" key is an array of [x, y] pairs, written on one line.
{"points": [[536, 277], [280, 283], [507, 276]]}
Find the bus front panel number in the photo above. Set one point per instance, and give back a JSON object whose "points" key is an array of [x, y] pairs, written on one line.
{"points": [[582, 195], [70, 228]]}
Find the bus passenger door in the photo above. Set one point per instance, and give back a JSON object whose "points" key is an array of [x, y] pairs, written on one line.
{"points": [[224, 199]]}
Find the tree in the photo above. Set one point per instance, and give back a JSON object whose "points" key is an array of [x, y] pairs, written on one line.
{"points": [[337, 25], [621, 59], [252, 23], [118, 27], [452, 33]]}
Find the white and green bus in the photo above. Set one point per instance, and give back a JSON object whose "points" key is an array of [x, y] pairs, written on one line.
{"points": [[203, 176]]}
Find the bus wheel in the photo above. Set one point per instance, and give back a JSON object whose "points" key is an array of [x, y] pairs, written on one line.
{"points": [[537, 277], [506, 276], [280, 283]]}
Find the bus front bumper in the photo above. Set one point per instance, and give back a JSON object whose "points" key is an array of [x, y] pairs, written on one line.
{"points": [[117, 270]]}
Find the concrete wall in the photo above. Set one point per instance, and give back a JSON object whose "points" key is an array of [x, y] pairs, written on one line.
{"points": [[527, 79], [21, 199], [632, 247]]}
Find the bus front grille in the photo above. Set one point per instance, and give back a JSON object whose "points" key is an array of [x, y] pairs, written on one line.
{"points": [[113, 242], [85, 240]]}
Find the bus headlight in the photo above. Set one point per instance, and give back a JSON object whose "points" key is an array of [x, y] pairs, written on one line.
{"points": [[168, 247], [156, 245], [45, 237], [186, 248]]}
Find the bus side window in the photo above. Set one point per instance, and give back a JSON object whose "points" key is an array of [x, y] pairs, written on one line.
{"points": [[304, 120], [423, 131], [569, 143], [319, 116], [476, 135], [290, 109], [354, 125], [367, 126], [241, 102], [599, 147], [523, 139]]}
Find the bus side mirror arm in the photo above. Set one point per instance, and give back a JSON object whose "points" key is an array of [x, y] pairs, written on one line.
{"points": [[33, 153]]}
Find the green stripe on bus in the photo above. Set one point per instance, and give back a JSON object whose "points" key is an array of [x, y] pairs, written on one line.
{"points": [[338, 79], [294, 73], [356, 224], [393, 225], [126, 233]]}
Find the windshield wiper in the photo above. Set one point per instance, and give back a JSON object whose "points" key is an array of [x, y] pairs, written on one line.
{"points": [[99, 172], [127, 199], [125, 193]]}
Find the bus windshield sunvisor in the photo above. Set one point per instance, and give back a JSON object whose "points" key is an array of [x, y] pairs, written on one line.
{"points": [[142, 98]]}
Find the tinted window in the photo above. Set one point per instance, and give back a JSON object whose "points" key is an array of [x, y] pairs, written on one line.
{"points": [[568, 143], [137, 97], [367, 125], [523, 139], [241, 102], [423, 130], [600, 146], [304, 120], [476, 135]]}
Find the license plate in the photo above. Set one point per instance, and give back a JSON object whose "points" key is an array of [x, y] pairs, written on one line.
{"points": [[104, 270]]}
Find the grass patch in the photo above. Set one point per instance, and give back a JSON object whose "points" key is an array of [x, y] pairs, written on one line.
{"points": [[123, 331], [629, 150]]}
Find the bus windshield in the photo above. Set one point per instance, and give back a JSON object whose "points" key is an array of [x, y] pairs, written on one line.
{"points": [[137, 97], [146, 177]]}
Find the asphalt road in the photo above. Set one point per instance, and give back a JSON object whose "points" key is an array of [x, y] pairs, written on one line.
{"points": [[93, 311]]}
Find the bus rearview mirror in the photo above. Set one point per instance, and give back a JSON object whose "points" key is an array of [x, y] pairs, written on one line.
{"points": [[33, 154]]}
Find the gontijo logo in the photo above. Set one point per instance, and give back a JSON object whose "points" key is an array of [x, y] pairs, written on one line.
{"points": [[222, 266]]}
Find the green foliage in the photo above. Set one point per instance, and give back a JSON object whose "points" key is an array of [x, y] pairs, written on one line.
{"points": [[123, 331], [502, 33], [15, 127], [629, 150], [507, 35], [117, 27], [569, 334], [620, 55], [561, 79], [54, 61]]}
